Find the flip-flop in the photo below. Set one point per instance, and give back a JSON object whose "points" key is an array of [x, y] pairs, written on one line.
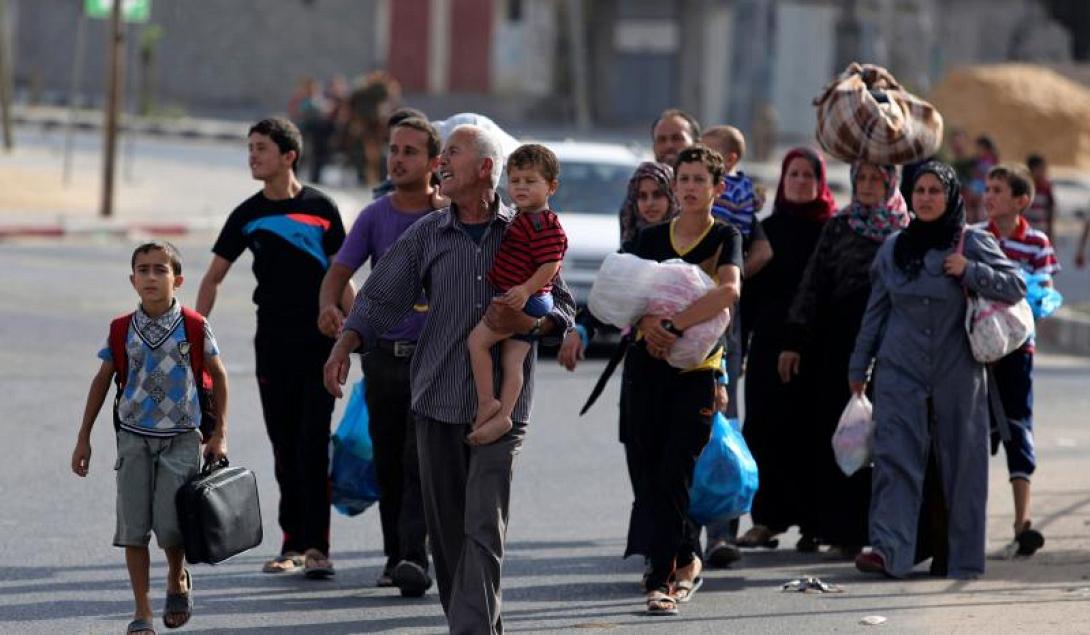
{"points": [[315, 571], [276, 564], [180, 603], [659, 603], [750, 542], [689, 587], [141, 626]]}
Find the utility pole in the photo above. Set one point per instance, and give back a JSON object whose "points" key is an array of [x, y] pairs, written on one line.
{"points": [[113, 101], [6, 87]]}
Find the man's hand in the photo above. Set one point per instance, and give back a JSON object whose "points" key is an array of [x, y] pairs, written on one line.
{"points": [[215, 449], [659, 340], [331, 320], [722, 399], [503, 319], [955, 264], [788, 365], [571, 350], [857, 387], [516, 297], [81, 457], [335, 372]]}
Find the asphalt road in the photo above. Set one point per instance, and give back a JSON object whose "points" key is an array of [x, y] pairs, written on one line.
{"points": [[569, 507]]}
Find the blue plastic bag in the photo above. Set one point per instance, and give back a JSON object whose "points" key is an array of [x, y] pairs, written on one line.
{"points": [[1043, 300], [352, 470], [725, 476]]}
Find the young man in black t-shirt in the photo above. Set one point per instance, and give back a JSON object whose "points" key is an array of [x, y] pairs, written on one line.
{"points": [[669, 409], [292, 230]]}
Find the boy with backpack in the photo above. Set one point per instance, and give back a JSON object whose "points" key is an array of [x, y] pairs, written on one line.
{"points": [[1008, 192], [162, 357]]}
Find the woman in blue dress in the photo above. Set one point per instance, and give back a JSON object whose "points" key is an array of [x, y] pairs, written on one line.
{"points": [[930, 402]]}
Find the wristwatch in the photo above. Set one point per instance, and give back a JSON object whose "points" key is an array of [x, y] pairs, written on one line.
{"points": [[670, 328], [535, 330]]}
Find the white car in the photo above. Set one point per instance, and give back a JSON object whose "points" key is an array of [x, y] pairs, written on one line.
{"points": [[593, 184]]}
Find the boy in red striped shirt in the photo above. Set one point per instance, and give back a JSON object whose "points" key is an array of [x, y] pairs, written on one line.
{"points": [[528, 260], [1008, 193]]}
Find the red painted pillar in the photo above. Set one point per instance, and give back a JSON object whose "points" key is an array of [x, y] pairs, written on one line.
{"points": [[471, 46], [408, 54]]}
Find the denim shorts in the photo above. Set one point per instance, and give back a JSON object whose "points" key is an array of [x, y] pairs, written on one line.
{"points": [[537, 306], [1014, 377], [150, 470]]}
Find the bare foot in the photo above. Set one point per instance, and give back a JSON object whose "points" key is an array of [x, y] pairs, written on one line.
{"points": [[490, 431], [486, 409]]}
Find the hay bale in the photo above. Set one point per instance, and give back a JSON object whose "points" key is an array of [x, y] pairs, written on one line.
{"points": [[1023, 108]]}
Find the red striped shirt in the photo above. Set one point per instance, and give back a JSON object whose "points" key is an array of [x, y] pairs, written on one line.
{"points": [[1028, 247], [531, 240]]}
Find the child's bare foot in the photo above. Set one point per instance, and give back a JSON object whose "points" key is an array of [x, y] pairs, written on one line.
{"points": [[490, 430], [486, 409]]}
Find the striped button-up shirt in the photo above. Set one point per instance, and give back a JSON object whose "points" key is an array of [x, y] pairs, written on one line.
{"points": [[438, 256]]}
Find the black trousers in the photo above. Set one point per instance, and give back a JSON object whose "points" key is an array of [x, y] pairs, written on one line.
{"points": [[297, 411], [397, 467], [671, 414]]}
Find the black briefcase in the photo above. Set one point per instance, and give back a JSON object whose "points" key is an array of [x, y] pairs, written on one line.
{"points": [[219, 513]]}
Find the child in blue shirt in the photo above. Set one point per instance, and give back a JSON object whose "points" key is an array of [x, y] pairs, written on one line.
{"points": [[158, 416]]}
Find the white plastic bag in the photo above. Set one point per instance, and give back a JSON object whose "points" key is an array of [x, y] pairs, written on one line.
{"points": [[996, 328], [676, 285], [854, 436], [621, 289]]}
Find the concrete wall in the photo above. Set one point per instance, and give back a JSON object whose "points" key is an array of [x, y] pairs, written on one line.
{"points": [[238, 57]]}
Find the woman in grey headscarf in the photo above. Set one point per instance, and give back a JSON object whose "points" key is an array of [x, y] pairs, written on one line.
{"points": [[930, 404]]}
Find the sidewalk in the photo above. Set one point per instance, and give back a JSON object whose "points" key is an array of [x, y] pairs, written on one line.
{"points": [[165, 186]]}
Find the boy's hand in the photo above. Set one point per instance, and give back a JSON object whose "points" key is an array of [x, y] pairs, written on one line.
{"points": [[722, 399], [81, 458], [516, 297], [954, 265], [215, 449]]}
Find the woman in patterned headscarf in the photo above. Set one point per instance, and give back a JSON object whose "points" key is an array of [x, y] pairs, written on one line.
{"points": [[930, 475], [650, 199], [819, 335], [773, 431]]}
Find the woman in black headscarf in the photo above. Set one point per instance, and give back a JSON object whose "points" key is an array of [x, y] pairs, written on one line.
{"points": [[930, 406]]}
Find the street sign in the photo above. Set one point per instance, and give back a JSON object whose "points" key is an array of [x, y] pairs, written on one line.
{"points": [[131, 10]]}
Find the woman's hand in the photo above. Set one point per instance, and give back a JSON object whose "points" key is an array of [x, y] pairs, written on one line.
{"points": [[857, 387], [571, 350], [788, 365], [955, 264]]}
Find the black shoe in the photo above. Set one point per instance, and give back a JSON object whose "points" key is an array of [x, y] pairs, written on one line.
{"points": [[1029, 541], [807, 544], [411, 579], [721, 554]]}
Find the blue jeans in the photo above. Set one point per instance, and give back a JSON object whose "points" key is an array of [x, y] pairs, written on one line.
{"points": [[1014, 377]]}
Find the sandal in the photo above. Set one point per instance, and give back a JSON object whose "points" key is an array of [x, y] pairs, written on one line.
{"points": [[659, 603], [1029, 540], [685, 587], [758, 536], [140, 626], [684, 590], [317, 566], [179, 604], [284, 563]]}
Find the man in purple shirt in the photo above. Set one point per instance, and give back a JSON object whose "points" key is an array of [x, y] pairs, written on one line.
{"points": [[413, 156]]}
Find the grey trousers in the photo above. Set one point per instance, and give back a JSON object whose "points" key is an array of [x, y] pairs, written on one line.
{"points": [[467, 492]]}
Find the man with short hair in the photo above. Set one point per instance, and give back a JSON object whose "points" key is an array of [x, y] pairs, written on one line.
{"points": [[673, 131], [412, 156], [466, 488], [292, 230]]}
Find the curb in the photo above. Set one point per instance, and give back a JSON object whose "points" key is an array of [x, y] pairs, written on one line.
{"points": [[91, 120], [98, 227], [1066, 331]]}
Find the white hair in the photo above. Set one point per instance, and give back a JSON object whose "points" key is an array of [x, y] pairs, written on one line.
{"points": [[487, 147]]}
